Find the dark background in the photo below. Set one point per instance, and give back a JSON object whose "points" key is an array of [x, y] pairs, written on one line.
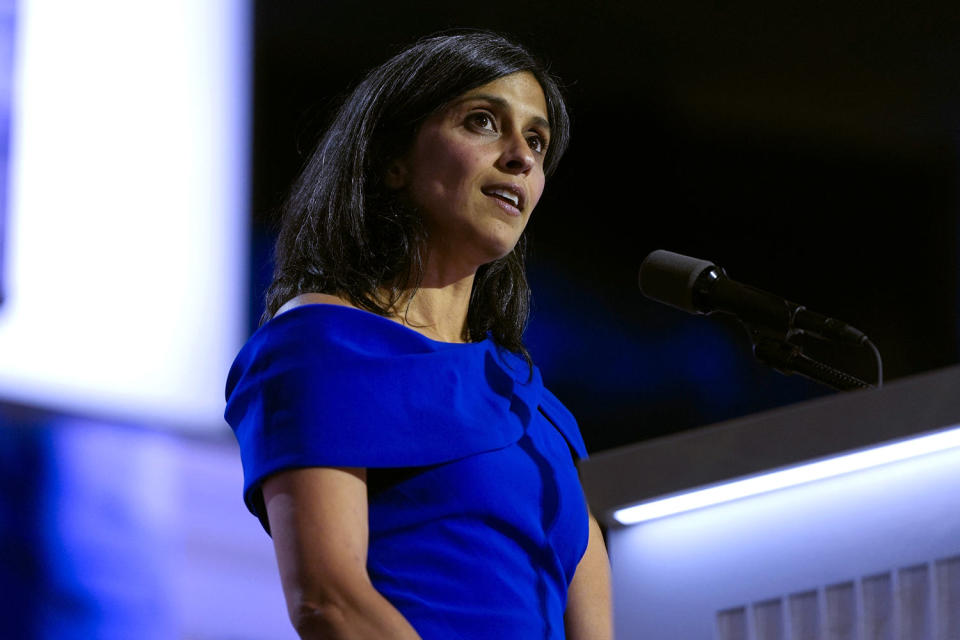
{"points": [[811, 149]]}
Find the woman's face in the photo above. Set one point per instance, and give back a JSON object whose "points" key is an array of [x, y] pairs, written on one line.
{"points": [[475, 170]]}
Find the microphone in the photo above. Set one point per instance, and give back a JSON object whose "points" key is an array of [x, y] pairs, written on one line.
{"points": [[699, 286]]}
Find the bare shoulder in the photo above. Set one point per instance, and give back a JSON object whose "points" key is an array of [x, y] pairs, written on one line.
{"points": [[312, 298]]}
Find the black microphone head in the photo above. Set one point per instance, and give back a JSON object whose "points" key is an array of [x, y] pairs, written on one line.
{"points": [[669, 277]]}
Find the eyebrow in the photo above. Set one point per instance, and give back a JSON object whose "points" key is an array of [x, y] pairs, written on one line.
{"points": [[497, 100]]}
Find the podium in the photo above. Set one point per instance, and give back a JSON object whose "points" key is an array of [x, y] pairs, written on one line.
{"points": [[871, 553]]}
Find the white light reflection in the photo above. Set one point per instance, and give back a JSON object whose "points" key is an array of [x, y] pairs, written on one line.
{"points": [[128, 208], [790, 477]]}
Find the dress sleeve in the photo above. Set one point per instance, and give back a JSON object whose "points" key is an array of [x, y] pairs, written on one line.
{"points": [[561, 417], [334, 386]]}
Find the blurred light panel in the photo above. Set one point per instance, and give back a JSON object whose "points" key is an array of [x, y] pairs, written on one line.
{"points": [[128, 208], [791, 477]]}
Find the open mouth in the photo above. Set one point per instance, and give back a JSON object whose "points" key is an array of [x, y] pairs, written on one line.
{"points": [[505, 194]]}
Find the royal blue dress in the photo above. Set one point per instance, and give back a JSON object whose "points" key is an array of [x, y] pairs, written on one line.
{"points": [[477, 519]]}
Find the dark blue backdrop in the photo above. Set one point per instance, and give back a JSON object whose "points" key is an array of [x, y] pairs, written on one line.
{"points": [[810, 153]]}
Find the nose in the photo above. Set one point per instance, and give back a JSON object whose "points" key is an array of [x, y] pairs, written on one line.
{"points": [[517, 157]]}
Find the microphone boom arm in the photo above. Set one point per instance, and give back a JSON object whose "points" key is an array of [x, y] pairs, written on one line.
{"points": [[788, 358]]}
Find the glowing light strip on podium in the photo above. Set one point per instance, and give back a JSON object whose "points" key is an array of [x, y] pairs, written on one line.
{"points": [[790, 477]]}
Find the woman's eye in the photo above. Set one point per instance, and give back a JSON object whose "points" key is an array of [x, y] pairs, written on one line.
{"points": [[537, 144], [483, 121]]}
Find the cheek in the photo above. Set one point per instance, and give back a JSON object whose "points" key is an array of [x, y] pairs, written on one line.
{"points": [[447, 172], [536, 190], [459, 167]]}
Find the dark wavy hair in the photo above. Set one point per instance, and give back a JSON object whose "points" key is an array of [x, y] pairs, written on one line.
{"points": [[344, 232]]}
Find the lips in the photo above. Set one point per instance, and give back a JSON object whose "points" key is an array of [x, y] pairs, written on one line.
{"points": [[511, 194]]}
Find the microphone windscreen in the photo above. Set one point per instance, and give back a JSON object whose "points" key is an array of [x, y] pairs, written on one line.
{"points": [[668, 277]]}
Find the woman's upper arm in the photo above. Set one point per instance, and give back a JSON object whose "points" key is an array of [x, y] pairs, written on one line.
{"points": [[318, 520], [589, 614]]}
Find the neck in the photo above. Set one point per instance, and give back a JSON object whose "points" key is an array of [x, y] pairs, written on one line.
{"points": [[438, 308]]}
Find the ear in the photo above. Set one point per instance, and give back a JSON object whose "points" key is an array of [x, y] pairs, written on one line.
{"points": [[396, 177]]}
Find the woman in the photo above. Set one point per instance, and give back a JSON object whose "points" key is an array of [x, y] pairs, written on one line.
{"points": [[417, 479]]}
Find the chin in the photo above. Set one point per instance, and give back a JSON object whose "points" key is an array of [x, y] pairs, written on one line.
{"points": [[501, 251], [480, 246]]}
